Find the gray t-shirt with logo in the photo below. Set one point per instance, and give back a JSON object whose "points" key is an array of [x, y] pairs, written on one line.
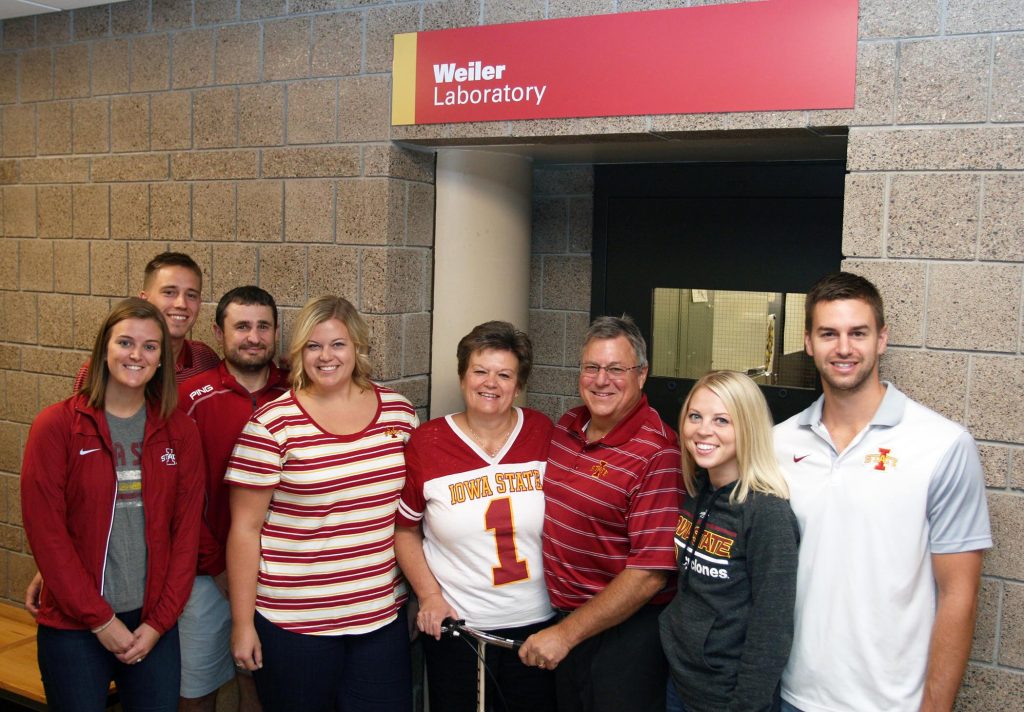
{"points": [[124, 578]]}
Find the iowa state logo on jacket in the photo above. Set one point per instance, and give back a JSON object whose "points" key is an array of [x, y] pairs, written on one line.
{"points": [[714, 550]]}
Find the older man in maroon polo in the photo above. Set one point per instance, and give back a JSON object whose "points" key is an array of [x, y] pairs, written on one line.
{"points": [[612, 495]]}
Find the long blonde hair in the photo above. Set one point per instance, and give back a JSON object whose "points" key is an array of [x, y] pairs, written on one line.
{"points": [[324, 309], [752, 422]]}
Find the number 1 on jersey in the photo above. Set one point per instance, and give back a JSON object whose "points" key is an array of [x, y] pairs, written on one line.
{"points": [[498, 519]]}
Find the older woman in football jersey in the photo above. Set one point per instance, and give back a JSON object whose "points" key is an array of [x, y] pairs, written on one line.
{"points": [[469, 526]]}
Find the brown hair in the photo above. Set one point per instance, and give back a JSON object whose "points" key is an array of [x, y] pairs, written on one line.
{"points": [[248, 295], [499, 336], [170, 259], [161, 388], [843, 285]]}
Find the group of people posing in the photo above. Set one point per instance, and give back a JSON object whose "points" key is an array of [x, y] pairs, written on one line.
{"points": [[196, 519]]}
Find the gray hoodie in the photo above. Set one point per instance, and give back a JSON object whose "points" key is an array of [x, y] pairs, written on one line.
{"points": [[728, 631]]}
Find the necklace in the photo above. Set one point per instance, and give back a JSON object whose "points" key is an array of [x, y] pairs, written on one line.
{"points": [[501, 441]]}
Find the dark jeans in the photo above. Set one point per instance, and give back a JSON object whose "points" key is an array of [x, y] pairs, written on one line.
{"points": [[620, 670], [77, 670], [672, 701], [370, 672], [511, 686]]}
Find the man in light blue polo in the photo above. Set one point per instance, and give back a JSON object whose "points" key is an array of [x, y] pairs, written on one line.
{"points": [[890, 499]]}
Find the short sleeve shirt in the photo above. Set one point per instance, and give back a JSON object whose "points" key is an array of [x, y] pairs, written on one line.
{"points": [[482, 518], [908, 486], [327, 557], [609, 505]]}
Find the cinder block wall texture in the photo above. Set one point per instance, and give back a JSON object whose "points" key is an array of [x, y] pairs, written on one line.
{"points": [[251, 135], [255, 136]]}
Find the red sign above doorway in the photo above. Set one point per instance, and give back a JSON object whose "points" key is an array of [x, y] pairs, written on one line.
{"points": [[776, 55]]}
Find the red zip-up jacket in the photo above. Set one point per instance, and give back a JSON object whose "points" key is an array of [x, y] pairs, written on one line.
{"points": [[221, 407], [68, 487]]}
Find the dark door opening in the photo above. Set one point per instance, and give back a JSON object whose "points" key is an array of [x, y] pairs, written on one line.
{"points": [[711, 260]]}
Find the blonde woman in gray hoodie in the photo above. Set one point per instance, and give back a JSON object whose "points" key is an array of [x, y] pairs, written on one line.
{"points": [[728, 631]]}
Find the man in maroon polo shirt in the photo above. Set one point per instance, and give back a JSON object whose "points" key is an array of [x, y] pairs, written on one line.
{"points": [[612, 491], [221, 401]]}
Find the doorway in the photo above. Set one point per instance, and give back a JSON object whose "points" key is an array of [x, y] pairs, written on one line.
{"points": [[712, 260]]}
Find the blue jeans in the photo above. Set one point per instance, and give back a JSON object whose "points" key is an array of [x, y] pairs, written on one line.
{"points": [[77, 670], [674, 704], [370, 672], [672, 701]]}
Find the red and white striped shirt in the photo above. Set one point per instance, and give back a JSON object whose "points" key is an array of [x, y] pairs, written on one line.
{"points": [[327, 556]]}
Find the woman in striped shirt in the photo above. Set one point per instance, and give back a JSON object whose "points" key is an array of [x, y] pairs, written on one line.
{"points": [[316, 596]]}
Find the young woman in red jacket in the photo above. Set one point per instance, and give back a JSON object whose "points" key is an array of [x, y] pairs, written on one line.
{"points": [[111, 492]]}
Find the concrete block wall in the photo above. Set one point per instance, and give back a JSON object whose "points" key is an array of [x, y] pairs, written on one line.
{"points": [[251, 135], [933, 214], [560, 269], [254, 135]]}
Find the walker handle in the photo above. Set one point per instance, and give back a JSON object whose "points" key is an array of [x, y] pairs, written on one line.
{"points": [[454, 628]]}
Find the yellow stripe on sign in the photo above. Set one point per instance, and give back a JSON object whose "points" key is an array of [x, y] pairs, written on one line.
{"points": [[403, 80]]}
